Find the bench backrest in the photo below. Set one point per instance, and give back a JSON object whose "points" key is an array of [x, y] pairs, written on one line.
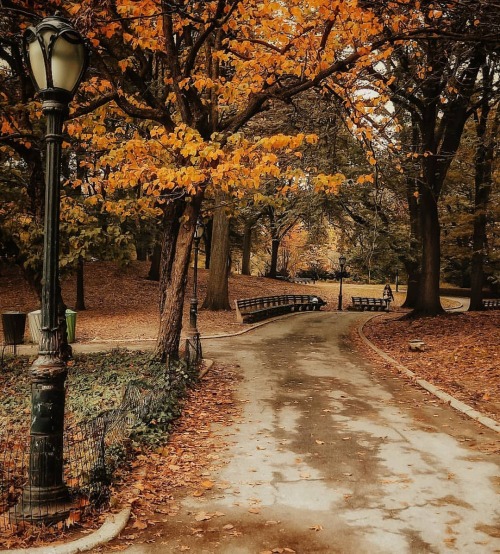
{"points": [[247, 305], [366, 300], [362, 301], [263, 301]]}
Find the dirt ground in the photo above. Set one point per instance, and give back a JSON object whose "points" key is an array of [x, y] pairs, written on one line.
{"points": [[461, 354]]}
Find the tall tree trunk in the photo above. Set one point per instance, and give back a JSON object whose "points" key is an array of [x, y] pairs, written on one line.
{"points": [[247, 246], [273, 267], [154, 268], [275, 242], [176, 251], [412, 262], [207, 241], [440, 131], [142, 252], [413, 286], [428, 301], [80, 286], [483, 185], [217, 297]]}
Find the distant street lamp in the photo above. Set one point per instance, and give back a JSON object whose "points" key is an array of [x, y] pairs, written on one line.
{"points": [[397, 280], [193, 310], [57, 57], [342, 261]]}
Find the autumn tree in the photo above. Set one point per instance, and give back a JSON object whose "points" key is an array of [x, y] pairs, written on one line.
{"points": [[212, 70], [194, 74], [487, 124], [435, 79]]}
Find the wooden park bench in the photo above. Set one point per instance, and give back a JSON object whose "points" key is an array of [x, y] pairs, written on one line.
{"points": [[249, 310], [370, 304], [491, 304], [302, 280]]}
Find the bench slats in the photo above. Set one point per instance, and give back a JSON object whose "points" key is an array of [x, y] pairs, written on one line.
{"points": [[370, 304], [253, 309]]}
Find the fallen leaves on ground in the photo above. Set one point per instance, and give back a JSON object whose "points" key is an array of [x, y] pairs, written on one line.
{"points": [[460, 358], [122, 304], [460, 355], [192, 453]]}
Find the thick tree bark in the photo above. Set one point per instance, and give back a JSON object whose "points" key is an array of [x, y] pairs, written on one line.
{"points": [[207, 241], [217, 297], [275, 243], [428, 301], [142, 252], [413, 287], [80, 286], [412, 262], [176, 251], [483, 185], [247, 244]]}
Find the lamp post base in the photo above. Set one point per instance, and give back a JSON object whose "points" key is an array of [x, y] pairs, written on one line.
{"points": [[42, 505]]}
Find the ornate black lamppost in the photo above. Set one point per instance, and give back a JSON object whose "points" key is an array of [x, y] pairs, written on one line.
{"points": [[57, 58], [193, 310], [342, 261]]}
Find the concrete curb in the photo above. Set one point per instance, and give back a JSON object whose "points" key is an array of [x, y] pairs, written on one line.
{"points": [[208, 365], [143, 344], [429, 387], [110, 529]]}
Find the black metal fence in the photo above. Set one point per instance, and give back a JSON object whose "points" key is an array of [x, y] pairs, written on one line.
{"points": [[93, 449]]}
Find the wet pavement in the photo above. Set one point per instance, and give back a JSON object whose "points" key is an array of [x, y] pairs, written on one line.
{"points": [[331, 455]]}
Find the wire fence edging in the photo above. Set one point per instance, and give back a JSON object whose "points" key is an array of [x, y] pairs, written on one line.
{"points": [[93, 448]]}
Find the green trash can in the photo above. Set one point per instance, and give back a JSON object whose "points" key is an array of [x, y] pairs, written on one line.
{"points": [[71, 324]]}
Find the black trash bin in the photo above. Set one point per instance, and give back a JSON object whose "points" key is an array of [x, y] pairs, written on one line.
{"points": [[13, 327]]}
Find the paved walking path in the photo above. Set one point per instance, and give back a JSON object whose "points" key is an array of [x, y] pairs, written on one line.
{"points": [[331, 456]]}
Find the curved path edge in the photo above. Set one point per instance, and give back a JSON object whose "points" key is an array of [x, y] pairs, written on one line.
{"points": [[110, 529], [429, 387]]}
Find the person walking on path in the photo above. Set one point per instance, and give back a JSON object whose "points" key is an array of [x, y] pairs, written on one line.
{"points": [[387, 295]]}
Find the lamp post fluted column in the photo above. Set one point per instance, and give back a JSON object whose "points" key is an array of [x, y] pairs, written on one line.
{"points": [[46, 495], [57, 57]]}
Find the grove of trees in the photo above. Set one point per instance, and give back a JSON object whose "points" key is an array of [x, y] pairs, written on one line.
{"points": [[341, 125]]}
